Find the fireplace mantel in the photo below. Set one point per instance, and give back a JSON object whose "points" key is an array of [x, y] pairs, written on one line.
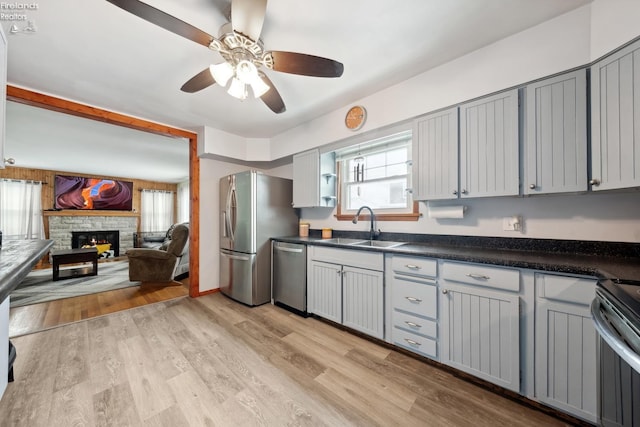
{"points": [[81, 212]]}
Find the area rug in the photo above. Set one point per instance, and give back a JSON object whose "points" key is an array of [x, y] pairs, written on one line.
{"points": [[39, 287]]}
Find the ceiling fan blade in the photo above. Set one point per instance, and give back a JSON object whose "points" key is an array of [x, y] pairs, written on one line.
{"points": [[198, 82], [164, 20], [271, 97], [247, 17], [306, 65]]}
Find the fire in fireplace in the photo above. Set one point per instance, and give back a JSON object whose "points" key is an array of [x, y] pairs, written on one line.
{"points": [[98, 239]]}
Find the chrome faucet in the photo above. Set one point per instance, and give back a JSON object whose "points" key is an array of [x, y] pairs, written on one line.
{"points": [[372, 232]]}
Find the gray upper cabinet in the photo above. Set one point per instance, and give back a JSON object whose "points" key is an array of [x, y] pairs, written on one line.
{"points": [[489, 146], [556, 134], [615, 120], [314, 179], [306, 179], [435, 156]]}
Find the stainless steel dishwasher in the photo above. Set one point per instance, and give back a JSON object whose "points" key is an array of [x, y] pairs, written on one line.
{"points": [[289, 276]]}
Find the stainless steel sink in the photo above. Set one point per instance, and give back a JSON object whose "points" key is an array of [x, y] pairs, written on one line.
{"points": [[341, 241], [378, 243]]}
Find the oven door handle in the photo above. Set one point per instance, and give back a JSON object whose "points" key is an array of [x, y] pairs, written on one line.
{"points": [[612, 338]]}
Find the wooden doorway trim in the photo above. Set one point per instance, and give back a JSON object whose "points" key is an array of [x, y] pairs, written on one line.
{"points": [[48, 102]]}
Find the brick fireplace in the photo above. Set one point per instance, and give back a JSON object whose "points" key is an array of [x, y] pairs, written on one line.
{"points": [[61, 229]]}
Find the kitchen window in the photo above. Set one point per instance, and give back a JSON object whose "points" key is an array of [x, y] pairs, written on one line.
{"points": [[377, 174]]}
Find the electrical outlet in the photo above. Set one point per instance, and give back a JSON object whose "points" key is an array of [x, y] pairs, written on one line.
{"points": [[512, 223]]}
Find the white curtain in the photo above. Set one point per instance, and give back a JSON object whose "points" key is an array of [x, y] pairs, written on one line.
{"points": [[21, 209], [157, 210], [183, 201]]}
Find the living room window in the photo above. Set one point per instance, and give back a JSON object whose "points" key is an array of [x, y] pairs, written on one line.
{"points": [[377, 174], [183, 202], [157, 210], [21, 209]]}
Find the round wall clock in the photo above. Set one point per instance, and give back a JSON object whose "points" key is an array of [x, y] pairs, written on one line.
{"points": [[355, 117]]}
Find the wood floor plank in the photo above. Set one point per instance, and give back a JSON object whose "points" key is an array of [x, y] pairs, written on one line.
{"points": [[107, 363], [148, 385], [374, 383], [73, 366], [199, 404], [115, 406], [73, 406]]}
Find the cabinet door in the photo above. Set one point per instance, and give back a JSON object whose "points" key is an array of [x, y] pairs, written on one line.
{"points": [[363, 300], [556, 134], [306, 178], [489, 159], [480, 333], [435, 156], [566, 345], [324, 290], [615, 120]]}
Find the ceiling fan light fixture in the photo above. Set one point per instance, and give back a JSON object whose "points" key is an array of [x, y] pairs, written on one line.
{"points": [[237, 89], [259, 87], [247, 72], [221, 73]]}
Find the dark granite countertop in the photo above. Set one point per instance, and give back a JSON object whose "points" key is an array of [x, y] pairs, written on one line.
{"points": [[605, 260], [17, 258]]}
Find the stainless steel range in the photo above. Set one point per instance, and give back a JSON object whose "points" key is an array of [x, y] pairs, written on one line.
{"points": [[616, 315]]}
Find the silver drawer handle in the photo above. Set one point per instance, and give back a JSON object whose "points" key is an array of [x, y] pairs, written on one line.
{"points": [[413, 299], [412, 342], [413, 325], [413, 267], [478, 276]]}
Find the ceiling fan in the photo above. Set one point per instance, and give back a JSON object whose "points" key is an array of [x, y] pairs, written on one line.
{"points": [[240, 46]]}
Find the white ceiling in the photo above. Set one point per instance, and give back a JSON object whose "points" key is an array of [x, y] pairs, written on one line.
{"points": [[93, 52]]}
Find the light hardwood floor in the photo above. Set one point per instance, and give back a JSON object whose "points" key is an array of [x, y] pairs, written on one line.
{"points": [[38, 317], [211, 361]]}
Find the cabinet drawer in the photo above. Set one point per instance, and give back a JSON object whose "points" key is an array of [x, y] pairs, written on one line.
{"points": [[354, 258], [415, 266], [415, 324], [507, 279], [414, 342], [563, 288], [415, 296]]}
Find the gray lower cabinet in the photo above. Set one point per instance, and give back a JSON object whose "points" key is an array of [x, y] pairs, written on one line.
{"points": [[414, 302], [615, 120], [480, 321], [556, 134], [347, 287], [566, 345], [324, 290]]}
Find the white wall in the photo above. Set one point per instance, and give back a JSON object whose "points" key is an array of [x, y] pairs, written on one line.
{"points": [[606, 217], [210, 173], [571, 40]]}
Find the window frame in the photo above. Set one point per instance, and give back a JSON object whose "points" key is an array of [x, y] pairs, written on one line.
{"points": [[412, 215]]}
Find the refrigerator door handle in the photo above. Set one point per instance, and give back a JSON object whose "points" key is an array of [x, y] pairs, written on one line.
{"points": [[224, 224], [227, 214]]}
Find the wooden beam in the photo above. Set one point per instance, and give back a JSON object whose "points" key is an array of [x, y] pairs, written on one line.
{"points": [[49, 102]]}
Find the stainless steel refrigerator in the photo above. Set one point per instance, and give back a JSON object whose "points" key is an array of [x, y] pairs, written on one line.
{"points": [[254, 208]]}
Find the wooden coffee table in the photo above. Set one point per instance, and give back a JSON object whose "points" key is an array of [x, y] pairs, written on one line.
{"points": [[74, 256]]}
